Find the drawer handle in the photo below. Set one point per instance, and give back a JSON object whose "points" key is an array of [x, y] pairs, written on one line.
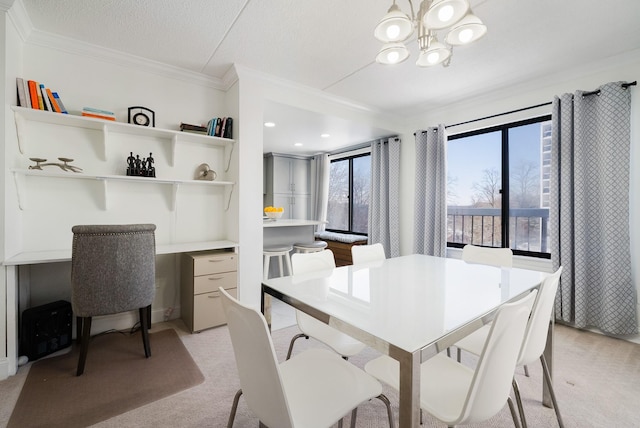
{"points": [[212, 297], [216, 278], [215, 260]]}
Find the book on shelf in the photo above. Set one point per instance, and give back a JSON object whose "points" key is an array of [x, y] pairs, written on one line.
{"points": [[98, 113], [193, 128], [45, 99], [33, 94], [52, 100], [227, 130], [22, 96], [59, 101]]}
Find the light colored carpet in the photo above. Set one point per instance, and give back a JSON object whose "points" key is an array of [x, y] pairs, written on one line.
{"points": [[597, 382]]}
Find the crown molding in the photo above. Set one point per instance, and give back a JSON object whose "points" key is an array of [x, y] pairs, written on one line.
{"points": [[243, 71], [20, 19], [5, 5], [80, 48]]}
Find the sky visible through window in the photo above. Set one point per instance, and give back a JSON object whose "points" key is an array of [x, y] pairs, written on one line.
{"points": [[468, 158]]}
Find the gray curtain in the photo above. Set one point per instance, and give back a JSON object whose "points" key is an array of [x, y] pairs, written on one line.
{"points": [[430, 211], [589, 213], [384, 202], [320, 171]]}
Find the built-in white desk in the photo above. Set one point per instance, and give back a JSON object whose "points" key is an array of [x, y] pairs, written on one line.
{"points": [[12, 264]]}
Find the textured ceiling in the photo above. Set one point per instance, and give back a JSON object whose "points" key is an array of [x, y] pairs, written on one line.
{"points": [[329, 44]]}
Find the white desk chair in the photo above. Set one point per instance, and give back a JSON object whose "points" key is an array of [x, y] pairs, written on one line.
{"points": [[343, 344], [534, 342], [314, 389], [457, 394], [367, 253]]}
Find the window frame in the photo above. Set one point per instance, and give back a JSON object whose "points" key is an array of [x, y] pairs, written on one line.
{"points": [[350, 159], [504, 191]]}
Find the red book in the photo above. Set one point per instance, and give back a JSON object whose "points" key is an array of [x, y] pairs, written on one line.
{"points": [[33, 93]]}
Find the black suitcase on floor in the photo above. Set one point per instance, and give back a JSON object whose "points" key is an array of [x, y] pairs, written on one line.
{"points": [[45, 329]]}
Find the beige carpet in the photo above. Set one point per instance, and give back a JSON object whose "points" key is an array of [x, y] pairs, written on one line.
{"points": [[597, 381], [117, 378]]}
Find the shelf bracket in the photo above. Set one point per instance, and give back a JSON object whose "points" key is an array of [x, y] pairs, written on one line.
{"points": [[105, 136], [174, 145], [229, 190], [20, 131], [18, 180], [105, 194], [228, 151], [174, 196]]}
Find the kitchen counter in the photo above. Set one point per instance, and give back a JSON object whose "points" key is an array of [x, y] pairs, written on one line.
{"points": [[289, 223]]}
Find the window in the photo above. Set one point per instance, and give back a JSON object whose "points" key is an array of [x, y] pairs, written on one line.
{"points": [[498, 187], [349, 187]]}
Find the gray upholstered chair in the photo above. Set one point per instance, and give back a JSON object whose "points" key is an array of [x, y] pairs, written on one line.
{"points": [[112, 271]]}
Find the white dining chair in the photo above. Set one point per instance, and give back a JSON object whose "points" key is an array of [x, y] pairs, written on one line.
{"points": [[341, 343], [457, 394], [314, 389], [500, 257], [367, 253], [491, 256], [534, 342]]}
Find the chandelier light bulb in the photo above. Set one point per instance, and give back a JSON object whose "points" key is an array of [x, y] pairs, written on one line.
{"points": [[445, 13], [465, 35], [392, 53], [395, 26], [392, 32]]}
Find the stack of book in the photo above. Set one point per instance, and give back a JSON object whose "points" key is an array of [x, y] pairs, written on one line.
{"points": [[220, 127], [196, 129], [98, 114], [32, 94]]}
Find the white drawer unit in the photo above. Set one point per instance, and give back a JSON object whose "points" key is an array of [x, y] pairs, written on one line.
{"points": [[202, 274]]}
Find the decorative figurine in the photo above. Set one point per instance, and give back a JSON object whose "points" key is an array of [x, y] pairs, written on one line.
{"points": [[138, 167]]}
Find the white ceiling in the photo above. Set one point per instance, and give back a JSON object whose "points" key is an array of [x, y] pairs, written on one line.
{"points": [[329, 45]]}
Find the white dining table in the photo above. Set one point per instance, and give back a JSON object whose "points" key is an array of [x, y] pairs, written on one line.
{"points": [[410, 307]]}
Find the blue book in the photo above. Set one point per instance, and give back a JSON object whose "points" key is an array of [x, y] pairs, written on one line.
{"points": [[59, 101]]}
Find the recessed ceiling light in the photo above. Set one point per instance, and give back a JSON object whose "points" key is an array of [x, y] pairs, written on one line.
{"points": [[298, 144], [269, 124], [325, 135]]}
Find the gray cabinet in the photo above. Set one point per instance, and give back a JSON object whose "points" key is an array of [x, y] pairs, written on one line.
{"points": [[287, 185]]}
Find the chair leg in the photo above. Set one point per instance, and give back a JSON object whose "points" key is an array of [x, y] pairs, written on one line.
{"points": [[516, 392], [387, 403], [526, 371], [547, 376], [85, 327], [144, 329], [234, 407], [296, 337], [354, 416], [514, 415], [459, 354], [78, 330]]}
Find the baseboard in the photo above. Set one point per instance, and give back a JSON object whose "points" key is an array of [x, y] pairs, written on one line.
{"points": [[4, 368], [127, 320]]}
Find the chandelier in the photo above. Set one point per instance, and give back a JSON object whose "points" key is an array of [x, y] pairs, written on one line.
{"points": [[434, 15]]}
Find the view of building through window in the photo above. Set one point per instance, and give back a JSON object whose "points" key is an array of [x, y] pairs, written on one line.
{"points": [[497, 170], [349, 187]]}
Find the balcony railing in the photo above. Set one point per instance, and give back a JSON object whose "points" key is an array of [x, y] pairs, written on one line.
{"points": [[528, 227]]}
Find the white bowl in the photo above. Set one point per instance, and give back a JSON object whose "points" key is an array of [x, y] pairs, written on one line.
{"points": [[274, 215]]}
